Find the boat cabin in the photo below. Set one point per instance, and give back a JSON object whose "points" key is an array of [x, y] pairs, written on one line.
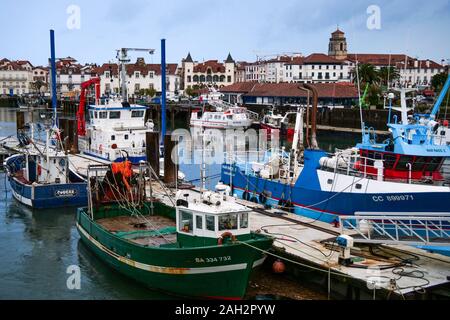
{"points": [[52, 168], [210, 218]]}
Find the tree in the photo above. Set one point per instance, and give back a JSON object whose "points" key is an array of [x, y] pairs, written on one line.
{"points": [[388, 74], [438, 81], [189, 91], [366, 74], [150, 92], [37, 85]]}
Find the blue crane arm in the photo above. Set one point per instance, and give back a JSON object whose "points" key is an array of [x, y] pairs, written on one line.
{"points": [[441, 97]]}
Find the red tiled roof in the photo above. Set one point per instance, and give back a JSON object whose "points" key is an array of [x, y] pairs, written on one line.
{"points": [[377, 59], [338, 32], [213, 64], [239, 87], [281, 59], [325, 90], [296, 61], [421, 64], [321, 58]]}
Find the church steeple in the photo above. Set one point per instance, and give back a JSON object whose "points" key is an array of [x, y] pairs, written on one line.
{"points": [[337, 47]]}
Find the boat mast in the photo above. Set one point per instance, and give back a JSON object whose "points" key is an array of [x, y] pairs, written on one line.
{"points": [[53, 76]]}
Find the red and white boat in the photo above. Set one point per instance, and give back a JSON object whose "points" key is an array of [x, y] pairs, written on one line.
{"points": [[272, 121]]}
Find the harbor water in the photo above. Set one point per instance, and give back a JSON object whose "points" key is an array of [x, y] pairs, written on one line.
{"points": [[40, 249]]}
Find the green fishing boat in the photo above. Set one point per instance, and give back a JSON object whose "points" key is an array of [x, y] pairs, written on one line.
{"points": [[201, 247]]}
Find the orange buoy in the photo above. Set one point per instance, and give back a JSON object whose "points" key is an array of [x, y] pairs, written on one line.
{"points": [[278, 266]]}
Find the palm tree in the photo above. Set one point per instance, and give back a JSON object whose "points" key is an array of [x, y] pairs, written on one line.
{"points": [[388, 75], [367, 74]]}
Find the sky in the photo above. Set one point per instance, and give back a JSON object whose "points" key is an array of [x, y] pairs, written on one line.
{"points": [[211, 29]]}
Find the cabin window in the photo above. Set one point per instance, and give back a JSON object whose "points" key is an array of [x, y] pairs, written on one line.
{"points": [[137, 114], [96, 114], [114, 115], [210, 223], [199, 222], [186, 221], [243, 218], [228, 222], [103, 114], [125, 137], [113, 137]]}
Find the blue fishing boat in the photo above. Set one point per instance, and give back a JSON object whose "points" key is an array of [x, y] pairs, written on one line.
{"points": [[400, 176], [41, 179], [40, 176]]}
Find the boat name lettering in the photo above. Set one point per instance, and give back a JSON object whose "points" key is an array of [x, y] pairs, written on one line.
{"points": [[436, 150], [403, 197], [213, 259], [65, 193]]}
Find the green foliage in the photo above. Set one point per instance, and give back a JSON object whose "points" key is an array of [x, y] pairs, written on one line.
{"points": [[438, 81], [189, 91], [150, 92]]}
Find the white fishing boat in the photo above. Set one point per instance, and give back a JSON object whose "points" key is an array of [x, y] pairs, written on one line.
{"points": [[231, 118], [116, 129]]}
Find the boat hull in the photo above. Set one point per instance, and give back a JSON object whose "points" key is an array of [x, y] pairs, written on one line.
{"points": [[49, 196], [190, 272]]}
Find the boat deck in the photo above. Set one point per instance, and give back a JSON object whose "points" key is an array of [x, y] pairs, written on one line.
{"points": [[147, 231]]}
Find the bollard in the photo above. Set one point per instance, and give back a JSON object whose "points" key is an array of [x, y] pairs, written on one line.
{"points": [[152, 150], [20, 120], [170, 168]]}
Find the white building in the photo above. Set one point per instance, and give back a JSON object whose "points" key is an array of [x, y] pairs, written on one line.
{"points": [[69, 76], [255, 71], [15, 76], [140, 75], [209, 73], [317, 68]]}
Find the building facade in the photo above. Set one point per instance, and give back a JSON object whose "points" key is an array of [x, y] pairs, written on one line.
{"points": [[208, 73], [140, 75], [317, 68], [15, 77]]}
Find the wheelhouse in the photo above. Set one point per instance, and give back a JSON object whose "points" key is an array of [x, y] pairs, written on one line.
{"points": [[401, 166]]}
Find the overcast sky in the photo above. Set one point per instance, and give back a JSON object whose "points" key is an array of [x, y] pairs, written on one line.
{"points": [[211, 29]]}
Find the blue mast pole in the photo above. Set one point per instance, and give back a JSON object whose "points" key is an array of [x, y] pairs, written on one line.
{"points": [[163, 89], [53, 75]]}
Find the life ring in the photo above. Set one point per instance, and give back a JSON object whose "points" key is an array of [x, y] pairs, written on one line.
{"points": [[224, 235]]}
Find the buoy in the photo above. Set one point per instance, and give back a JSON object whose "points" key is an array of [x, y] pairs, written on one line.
{"points": [[278, 266]]}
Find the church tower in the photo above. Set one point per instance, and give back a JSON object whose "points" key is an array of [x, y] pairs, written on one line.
{"points": [[337, 47]]}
